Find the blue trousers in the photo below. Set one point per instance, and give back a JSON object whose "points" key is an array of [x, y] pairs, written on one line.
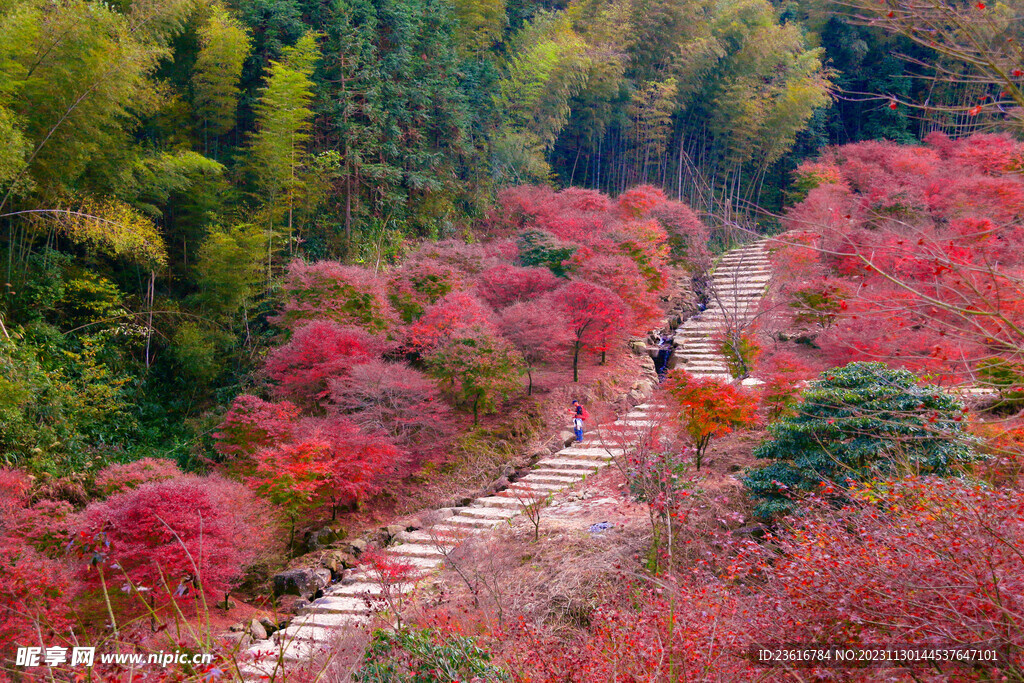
{"points": [[577, 425]]}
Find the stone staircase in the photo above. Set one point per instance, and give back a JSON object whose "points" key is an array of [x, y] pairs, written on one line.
{"points": [[736, 287], [738, 282]]}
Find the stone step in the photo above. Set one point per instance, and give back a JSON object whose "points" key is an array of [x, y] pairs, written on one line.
{"points": [[335, 604], [549, 478], [573, 464], [331, 620], [529, 486], [426, 549], [592, 453], [359, 590], [457, 521], [503, 502], [575, 475], [487, 512]]}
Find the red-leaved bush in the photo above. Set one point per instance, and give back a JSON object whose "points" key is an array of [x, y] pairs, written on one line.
{"points": [[396, 399], [319, 351], [36, 591], [506, 284], [709, 408], [597, 318], [538, 331], [173, 538], [910, 254], [121, 477], [447, 318], [348, 295], [252, 424]]}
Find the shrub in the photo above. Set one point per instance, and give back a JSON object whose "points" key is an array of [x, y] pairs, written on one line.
{"points": [[596, 316], [252, 424], [542, 249], [396, 399], [348, 295], [420, 283], [854, 423], [319, 351], [174, 537], [425, 656], [709, 408], [506, 284], [119, 478]]}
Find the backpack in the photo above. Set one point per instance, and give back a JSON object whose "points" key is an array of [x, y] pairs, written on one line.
{"points": [[582, 413]]}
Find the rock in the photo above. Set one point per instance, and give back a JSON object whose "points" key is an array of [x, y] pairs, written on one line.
{"points": [[237, 628], [257, 631], [241, 639], [300, 606], [394, 529], [638, 347], [566, 438], [302, 582], [227, 604], [337, 561], [358, 546], [269, 626], [600, 527], [323, 538]]}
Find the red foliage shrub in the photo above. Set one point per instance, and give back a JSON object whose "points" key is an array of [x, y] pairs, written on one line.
{"points": [[173, 537], [924, 278], [35, 590], [621, 275], [318, 352], [639, 201], [348, 295], [783, 373], [709, 408], [597, 318], [449, 316], [506, 284], [36, 594], [537, 330], [357, 462], [919, 561], [395, 399], [419, 283], [119, 478], [252, 424]]}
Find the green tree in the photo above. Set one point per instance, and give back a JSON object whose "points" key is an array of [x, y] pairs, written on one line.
{"points": [[283, 121], [478, 368], [224, 47], [854, 423]]}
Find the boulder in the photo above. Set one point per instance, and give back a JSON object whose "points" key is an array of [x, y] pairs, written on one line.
{"points": [[257, 631], [240, 638], [269, 626], [394, 529], [358, 546], [304, 582], [237, 628], [337, 561], [638, 347], [323, 538]]}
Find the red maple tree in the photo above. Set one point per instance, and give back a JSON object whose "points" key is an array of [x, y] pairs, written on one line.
{"points": [[597, 317], [319, 351]]}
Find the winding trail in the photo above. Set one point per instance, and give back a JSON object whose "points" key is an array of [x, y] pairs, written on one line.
{"points": [[737, 284]]}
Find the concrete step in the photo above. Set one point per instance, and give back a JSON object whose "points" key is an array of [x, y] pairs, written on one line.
{"points": [[591, 452], [530, 486]]}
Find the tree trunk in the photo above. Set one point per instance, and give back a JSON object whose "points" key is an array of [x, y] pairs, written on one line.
{"points": [[576, 362]]}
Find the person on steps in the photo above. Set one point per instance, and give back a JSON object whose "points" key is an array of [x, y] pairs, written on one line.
{"points": [[579, 414]]}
